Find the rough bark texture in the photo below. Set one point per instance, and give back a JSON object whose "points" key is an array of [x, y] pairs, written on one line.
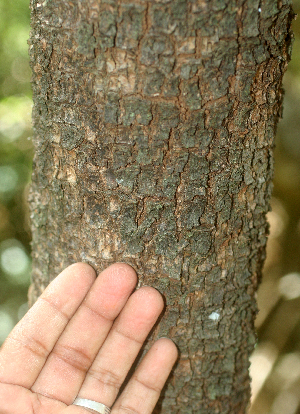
{"points": [[154, 128]]}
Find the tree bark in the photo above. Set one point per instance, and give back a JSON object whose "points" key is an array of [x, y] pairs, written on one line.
{"points": [[154, 129]]}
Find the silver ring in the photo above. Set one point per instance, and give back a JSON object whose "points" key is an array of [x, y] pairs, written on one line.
{"points": [[92, 406]]}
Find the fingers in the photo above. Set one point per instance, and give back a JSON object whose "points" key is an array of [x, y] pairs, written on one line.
{"points": [[71, 344], [75, 350], [26, 349], [122, 346], [143, 390]]}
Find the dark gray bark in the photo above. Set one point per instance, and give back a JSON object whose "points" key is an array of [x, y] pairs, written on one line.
{"points": [[154, 128]]}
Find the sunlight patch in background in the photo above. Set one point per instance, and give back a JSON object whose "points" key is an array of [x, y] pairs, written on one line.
{"points": [[289, 286], [8, 178], [14, 261], [15, 117], [15, 36], [262, 361], [288, 368]]}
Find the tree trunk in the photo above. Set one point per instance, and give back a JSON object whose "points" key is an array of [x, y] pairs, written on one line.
{"points": [[154, 129]]}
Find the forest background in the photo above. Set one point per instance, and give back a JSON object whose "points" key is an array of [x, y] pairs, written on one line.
{"points": [[275, 365]]}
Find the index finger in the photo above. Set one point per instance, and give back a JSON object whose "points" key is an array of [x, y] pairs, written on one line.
{"points": [[26, 349]]}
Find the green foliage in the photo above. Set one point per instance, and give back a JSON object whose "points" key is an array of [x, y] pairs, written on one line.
{"points": [[15, 161]]}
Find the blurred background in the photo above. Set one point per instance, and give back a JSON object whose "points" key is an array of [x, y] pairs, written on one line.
{"points": [[275, 364], [15, 161]]}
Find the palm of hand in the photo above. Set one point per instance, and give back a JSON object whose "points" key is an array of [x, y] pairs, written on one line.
{"points": [[81, 339]]}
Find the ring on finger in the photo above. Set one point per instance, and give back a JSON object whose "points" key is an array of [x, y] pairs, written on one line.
{"points": [[92, 406]]}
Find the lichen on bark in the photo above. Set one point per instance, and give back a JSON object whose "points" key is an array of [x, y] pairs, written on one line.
{"points": [[154, 128]]}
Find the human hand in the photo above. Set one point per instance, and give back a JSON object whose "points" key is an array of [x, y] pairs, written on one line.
{"points": [[80, 339]]}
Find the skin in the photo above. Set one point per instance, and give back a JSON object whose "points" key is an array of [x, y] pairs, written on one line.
{"points": [[84, 346]]}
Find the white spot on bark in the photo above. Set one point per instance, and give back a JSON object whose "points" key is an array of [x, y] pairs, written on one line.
{"points": [[214, 316], [223, 274]]}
